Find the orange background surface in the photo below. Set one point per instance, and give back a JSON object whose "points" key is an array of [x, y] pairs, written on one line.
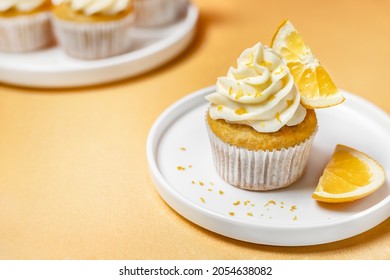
{"points": [[74, 180]]}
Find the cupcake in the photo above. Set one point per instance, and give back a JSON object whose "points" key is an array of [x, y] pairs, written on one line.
{"points": [[259, 132], [24, 25], [152, 13], [93, 29]]}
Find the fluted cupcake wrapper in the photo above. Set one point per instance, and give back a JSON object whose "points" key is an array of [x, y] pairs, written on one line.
{"points": [[259, 170], [151, 13], [94, 40], [25, 33]]}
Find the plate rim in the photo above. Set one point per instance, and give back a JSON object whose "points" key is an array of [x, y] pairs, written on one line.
{"points": [[194, 99]]}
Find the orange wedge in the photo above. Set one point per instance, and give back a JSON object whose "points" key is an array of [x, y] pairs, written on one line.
{"points": [[350, 175], [314, 83]]}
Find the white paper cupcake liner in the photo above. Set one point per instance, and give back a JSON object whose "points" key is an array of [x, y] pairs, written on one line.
{"points": [[259, 170], [94, 40], [25, 33], [152, 13]]}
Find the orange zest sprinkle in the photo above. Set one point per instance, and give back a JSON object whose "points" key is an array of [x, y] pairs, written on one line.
{"points": [[270, 202], [265, 63], [239, 94], [258, 93], [277, 116], [241, 111]]}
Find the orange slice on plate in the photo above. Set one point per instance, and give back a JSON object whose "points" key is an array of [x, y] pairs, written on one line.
{"points": [[315, 85], [348, 176]]}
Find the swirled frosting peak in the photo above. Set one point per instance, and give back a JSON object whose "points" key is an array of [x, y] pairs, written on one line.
{"points": [[104, 7], [260, 92], [20, 5]]}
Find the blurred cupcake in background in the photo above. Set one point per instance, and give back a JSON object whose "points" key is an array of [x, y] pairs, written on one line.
{"points": [[154, 13], [25, 25], [93, 29]]}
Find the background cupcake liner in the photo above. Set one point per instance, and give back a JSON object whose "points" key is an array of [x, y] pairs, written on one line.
{"points": [[94, 40], [25, 33], [158, 12], [259, 170]]}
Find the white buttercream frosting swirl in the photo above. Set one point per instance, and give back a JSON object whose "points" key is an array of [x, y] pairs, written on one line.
{"points": [[20, 5], [260, 92], [103, 7]]}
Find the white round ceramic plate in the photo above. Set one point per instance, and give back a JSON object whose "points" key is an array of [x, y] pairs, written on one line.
{"points": [[181, 165], [51, 68]]}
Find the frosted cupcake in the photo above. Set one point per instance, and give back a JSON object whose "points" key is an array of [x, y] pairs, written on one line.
{"points": [[24, 25], [93, 29], [260, 134], [152, 13]]}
